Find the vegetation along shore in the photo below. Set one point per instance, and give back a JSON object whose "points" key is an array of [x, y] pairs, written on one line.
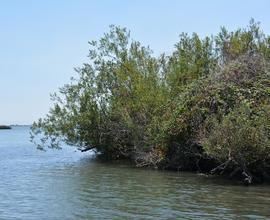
{"points": [[205, 107], [5, 127]]}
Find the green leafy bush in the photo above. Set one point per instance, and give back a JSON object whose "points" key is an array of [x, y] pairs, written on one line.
{"points": [[241, 140], [173, 111]]}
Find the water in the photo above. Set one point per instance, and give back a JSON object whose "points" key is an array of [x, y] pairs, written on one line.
{"points": [[68, 184]]}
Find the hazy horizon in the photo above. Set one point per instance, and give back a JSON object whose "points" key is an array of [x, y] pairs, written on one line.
{"points": [[41, 42]]}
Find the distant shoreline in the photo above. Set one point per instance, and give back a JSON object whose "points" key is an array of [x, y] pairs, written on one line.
{"points": [[17, 125], [5, 127]]}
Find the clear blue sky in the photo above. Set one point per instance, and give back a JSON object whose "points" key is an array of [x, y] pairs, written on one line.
{"points": [[41, 41]]}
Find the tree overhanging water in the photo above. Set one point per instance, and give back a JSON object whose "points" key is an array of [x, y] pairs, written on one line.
{"points": [[205, 107]]}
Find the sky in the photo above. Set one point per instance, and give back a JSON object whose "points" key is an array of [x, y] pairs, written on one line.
{"points": [[42, 41]]}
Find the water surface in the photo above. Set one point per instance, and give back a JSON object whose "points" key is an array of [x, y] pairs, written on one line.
{"points": [[68, 184]]}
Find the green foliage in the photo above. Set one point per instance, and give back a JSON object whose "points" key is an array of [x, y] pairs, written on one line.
{"points": [[203, 105], [241, 137], [110, 105], [245, 80], [193, 58], [231, 45]]}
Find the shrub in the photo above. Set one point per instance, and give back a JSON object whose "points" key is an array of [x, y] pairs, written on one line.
{"points": [[241, 140], [245, 80], [191, 110]]}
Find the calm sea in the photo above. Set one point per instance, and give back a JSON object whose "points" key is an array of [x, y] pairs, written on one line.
{"points": [[66, 184]]}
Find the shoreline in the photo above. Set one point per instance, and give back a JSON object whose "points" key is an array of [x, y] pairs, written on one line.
{"points": [[5, 127], [237, 177]]}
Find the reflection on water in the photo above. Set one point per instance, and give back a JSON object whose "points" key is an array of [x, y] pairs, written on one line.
{"points": [[68, 184]]}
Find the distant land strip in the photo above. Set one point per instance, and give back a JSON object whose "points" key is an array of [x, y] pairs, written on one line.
{"points": [[5, 127]]}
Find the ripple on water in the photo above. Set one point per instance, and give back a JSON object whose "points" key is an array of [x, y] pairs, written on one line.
{"points": [[70, 185]]}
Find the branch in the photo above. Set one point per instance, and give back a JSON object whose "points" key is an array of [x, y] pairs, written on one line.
{"points": [[222, 167], [86, 149]]}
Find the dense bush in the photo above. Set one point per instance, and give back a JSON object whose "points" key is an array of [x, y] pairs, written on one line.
{"points": [[245, 80], [110, 105], [205, 107], [241, 141]]}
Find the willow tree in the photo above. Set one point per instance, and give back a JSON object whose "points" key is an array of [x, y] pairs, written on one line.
{"points": [[109, 106], [173, 111]]}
